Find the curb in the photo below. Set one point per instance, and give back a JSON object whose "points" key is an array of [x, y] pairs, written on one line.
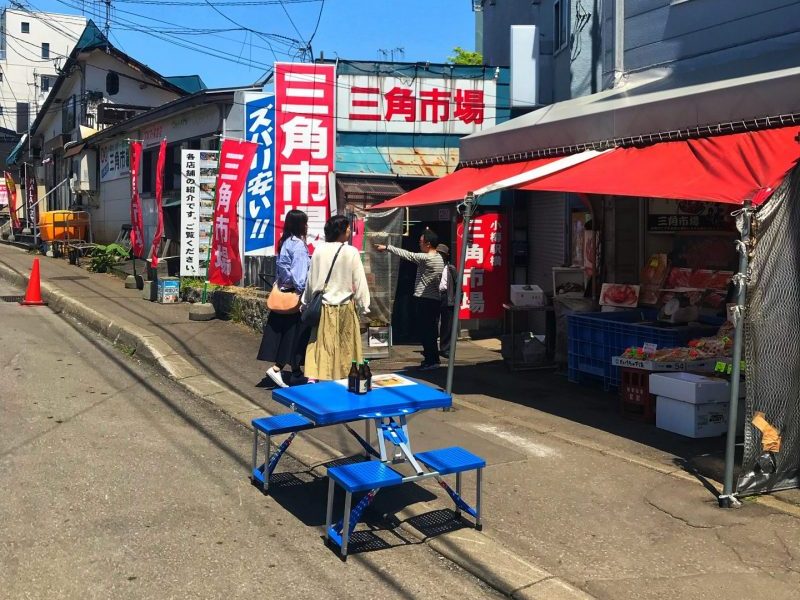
{"points": [[474, 552]]}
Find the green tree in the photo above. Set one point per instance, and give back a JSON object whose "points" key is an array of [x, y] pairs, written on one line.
{"points": [[465, 57]]}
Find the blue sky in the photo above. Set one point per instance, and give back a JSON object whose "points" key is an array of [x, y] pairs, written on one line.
{"points": [[426, 30]]}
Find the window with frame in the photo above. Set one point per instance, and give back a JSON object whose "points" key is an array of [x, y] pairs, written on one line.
{"points": [[46, 83], [23, 116], [45, 50], [25, 27], [560, 24], [69, 111]]}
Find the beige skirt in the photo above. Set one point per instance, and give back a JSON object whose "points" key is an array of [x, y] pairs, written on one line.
{"points": [[334, 344]]}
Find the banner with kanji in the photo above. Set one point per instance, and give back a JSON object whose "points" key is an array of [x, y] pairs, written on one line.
{"points": [[305, 135], [32, 196], [12, 200], [198, 185], [259, 195], [485, 283], [159, 232], [137, 221], [235, 159]]}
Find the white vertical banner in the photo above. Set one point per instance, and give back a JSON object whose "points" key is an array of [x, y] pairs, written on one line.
{"points": [[198, 187]]}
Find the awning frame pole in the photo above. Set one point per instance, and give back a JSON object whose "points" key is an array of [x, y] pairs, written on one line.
{"points": [[728, 498], [467, 209]]}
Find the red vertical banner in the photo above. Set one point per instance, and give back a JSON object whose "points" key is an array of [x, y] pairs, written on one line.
{"points": [[12, 200], [137, 222], [305, 136], [485, 284], [235, 159], [159, 232]]}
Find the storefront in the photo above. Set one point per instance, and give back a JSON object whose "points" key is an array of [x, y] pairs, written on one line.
{"points": [[659, 192]]}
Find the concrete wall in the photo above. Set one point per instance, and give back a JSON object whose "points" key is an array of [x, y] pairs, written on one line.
{"points": [[22, 64]]}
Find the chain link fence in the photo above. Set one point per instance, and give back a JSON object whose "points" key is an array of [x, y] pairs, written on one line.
{"points": [[772, 346]]}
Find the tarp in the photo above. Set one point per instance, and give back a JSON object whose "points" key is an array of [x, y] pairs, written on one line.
{"points": [[725, 168], [454, 187]]}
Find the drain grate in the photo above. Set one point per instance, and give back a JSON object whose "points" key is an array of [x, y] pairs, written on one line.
{"points": [[11, 298]]}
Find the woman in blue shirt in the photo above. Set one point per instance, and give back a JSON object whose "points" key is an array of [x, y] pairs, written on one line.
{"points": [[285, 338]]}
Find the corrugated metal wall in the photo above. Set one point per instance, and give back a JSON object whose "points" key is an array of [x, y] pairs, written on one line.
{"points": [[546, 236]]}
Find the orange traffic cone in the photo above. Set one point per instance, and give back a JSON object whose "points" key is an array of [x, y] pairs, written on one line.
{"points": [[33, 295]]}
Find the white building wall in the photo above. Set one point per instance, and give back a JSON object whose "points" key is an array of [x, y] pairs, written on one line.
{"points": [[21, 59]]}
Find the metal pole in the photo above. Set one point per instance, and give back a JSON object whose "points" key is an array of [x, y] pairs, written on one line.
{"points": [[466, 208], [727, 499]]}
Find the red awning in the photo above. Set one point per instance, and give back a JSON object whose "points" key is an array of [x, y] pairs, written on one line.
{"points": [[455, 186], [724, 168]]}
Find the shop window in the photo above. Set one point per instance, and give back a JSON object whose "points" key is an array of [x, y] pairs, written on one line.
{"points": [[45, 50], [560, 24], [25, 27]]}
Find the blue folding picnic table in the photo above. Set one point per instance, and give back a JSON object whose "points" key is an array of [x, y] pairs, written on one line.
{"points": [[330, 403]]}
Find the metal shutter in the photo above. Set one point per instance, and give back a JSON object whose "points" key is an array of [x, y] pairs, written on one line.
{"points": [[546, 236]]}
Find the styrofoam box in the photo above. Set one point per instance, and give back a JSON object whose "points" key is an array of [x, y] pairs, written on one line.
{"points": [[689, 387], [527, 295], [692, 420]]}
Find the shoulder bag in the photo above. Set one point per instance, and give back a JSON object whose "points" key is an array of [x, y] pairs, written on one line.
{"points": [[313, 312], [283, 303]]}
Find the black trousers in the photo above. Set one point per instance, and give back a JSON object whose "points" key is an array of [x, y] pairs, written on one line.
{"points": [[427, 320], [445, 327]]}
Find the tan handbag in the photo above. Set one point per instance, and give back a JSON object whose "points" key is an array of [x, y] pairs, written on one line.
{"points": [[283, 303]]}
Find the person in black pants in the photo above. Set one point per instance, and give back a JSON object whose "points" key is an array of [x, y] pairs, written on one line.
{"points": [[447, 289], [426, 292]]}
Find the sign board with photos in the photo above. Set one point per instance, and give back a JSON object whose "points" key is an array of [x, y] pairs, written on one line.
{"points": [[198, 187], [115, 161]]}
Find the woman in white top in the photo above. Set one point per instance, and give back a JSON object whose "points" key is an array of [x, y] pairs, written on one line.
{"points": [[336, 341]]}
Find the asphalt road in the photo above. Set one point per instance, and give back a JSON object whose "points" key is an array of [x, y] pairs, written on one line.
{"points": [[115, 483]]}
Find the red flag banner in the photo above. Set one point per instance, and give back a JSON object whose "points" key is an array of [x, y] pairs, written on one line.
{"points": [[137, 223], [162, 158], [234, 164], [485, 283], [305, 131], [12, 200]]}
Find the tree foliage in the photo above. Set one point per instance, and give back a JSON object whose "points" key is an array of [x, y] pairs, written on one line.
{"points": [[465, 57]]}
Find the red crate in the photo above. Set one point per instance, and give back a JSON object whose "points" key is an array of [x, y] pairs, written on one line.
{"points": [[636, 401]]}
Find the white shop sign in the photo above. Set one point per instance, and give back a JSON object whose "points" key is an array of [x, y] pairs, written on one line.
{"points": [[370, 103], [192, 124]]}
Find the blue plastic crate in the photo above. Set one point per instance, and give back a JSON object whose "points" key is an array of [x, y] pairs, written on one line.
{"points": [[594, 338]]}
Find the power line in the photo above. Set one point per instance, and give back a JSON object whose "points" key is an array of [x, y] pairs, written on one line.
{"points": [[225, 3]]}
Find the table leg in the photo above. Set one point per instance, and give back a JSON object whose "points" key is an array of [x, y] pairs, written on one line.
{"points": [[458, 491], [329, 513], [346, 525], [368, 434], [255, 449], [478, 500]]}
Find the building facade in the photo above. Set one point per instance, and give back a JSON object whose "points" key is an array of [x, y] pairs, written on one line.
{"points": [[33, 46], [622, 51]]}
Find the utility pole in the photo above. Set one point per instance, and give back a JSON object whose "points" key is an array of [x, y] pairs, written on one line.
{"points": [[107, 28]]}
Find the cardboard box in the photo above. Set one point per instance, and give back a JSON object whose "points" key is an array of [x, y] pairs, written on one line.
{"points": [[169, 290], [527, 295], [688, 387], [692, 420]]}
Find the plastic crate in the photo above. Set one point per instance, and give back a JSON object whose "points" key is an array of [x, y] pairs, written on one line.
{"points": [[594, 338], [635, 400]]}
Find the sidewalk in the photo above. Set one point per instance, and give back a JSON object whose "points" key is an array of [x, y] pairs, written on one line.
{"points": [[573, 497]]}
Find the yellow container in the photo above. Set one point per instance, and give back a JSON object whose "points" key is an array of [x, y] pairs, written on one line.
{"points": [[63, 224]]}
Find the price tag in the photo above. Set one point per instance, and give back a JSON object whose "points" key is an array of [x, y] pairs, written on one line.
{"points": [[649, 348]]}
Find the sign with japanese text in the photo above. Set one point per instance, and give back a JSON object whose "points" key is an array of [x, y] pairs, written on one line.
{"points": [[13, 207], [259, 194], [198, 188], [137, 219], [305, 136], [485, 283], [688, 215], [32, 199], [235, 159], [372, 103], [114, 161], [3, 193]]}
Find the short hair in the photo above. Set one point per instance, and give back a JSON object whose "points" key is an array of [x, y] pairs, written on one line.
{"points": [[429, 235], [335, 227]]}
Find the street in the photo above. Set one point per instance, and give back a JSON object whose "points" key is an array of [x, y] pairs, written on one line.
{"points": [[116, 483]]}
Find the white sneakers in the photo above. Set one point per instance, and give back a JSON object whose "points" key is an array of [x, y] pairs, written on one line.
{"points": [[276, 377]]}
